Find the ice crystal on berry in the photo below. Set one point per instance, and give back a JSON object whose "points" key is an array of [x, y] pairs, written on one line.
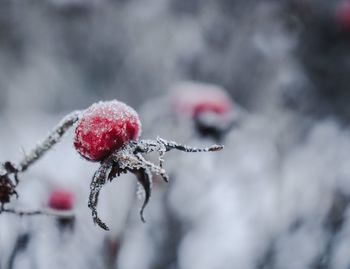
{"points": [[105, 127]]}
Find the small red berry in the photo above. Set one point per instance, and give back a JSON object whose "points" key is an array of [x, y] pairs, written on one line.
{"points": [[61, 199], [195, 98], [343, 14], [104, 128]]}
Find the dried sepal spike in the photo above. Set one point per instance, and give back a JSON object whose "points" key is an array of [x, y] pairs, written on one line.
{"points": [[43, 211], [129, 158], [52, 139]]}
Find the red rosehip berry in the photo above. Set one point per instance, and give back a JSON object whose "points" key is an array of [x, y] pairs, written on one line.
{"points": [[104, 128], [343, 15], [195, 98], [61, 199]]}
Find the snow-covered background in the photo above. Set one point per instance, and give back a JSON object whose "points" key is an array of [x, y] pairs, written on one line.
{"points": [[276, 198]]}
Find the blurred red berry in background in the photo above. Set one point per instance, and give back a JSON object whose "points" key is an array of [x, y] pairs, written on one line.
{"points": [[61, 199], [192, 99], [343, 14]]}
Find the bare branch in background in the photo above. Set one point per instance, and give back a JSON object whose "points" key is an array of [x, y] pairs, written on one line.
{"points": [[44, 211]]}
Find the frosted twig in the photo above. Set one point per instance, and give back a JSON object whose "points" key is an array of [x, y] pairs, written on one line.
{"points": [[98, 180], [169, 145], [46, 144], [46, 212], [144, 177], [9, 171]]}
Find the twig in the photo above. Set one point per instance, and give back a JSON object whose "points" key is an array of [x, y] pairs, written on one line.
{"points": [[46, 144], [46, 212], [9, 171]]}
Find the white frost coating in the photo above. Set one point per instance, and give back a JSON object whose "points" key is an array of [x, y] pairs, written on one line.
{"points": [[98, 121], [115, 109], [53, 137]]}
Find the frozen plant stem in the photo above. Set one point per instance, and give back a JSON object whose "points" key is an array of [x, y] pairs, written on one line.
{"points": [[9, 172], [46, 212], [54, 137]]}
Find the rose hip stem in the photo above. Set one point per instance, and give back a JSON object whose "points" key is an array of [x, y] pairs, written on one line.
{"points": [[47, 212], [9, 172], [46, 144]]}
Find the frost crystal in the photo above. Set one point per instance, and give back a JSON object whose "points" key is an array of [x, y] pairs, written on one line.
{"points": [[105, 127]]}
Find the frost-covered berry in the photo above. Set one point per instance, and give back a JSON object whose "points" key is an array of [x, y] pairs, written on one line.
{"points": [[61, 199], [104, 128], [192, 99]]}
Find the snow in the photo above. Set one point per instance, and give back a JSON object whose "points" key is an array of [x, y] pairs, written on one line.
{"points": [[277, 195]]}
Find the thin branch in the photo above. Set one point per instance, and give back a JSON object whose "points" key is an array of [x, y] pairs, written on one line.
{"points": [[46, 144], [161, 145], [46, 212], [169, 145], [9, 171]]}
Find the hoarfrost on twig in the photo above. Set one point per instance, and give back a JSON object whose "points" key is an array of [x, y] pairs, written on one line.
{"points": [[9, 171], [47, 212], [52, 139]]}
